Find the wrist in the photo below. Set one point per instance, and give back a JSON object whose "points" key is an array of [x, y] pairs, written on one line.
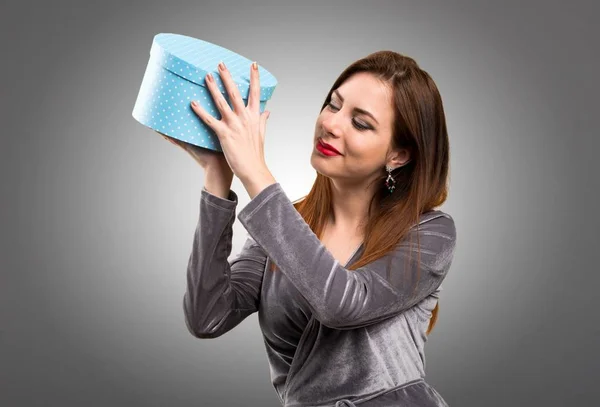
{"points": [[217, 182], [257, 182]]}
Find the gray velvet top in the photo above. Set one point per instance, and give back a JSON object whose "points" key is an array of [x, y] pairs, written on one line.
{"points": [[334, 337]]}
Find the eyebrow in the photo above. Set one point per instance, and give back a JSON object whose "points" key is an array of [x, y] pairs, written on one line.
{"points": [[356, 109]]}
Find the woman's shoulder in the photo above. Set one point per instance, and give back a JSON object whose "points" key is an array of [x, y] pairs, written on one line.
{"points": [[437, 220], [435, 214]]}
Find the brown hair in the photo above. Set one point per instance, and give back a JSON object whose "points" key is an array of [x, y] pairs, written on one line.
{"points": [[421, 184]]}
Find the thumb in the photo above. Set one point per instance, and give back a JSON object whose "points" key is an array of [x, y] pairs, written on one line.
{"points": [[263, 122]]}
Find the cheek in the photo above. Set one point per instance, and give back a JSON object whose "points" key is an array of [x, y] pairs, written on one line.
{"points": [[359, 147], [363, 155]]}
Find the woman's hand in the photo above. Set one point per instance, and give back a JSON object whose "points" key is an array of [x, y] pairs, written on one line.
{"points": [[205, 157], [241, 131]]}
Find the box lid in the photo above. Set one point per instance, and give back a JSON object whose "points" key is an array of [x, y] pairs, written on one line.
{"points": [[192, 59]]}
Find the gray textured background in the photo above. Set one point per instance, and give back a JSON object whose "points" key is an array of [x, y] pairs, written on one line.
{"points": [[98, 212]]}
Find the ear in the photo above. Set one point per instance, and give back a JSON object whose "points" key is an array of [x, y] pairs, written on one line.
{"points": [[398, 158]]}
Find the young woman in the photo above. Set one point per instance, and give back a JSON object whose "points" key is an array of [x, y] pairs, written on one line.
{"points": [[346, 281]]}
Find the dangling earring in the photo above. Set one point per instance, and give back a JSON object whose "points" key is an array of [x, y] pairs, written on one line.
{"points": [[390, 182]]}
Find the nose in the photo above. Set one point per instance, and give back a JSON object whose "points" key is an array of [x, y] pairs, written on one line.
{"points": [[332, 124]]}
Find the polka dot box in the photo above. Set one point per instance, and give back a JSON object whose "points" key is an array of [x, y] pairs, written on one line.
{"points": [[175, 75]]}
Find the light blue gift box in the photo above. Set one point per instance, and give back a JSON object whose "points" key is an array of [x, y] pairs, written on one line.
{"points": [[176, 75]]}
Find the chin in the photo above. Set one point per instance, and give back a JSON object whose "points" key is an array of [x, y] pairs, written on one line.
{"points": [[317, 161]]}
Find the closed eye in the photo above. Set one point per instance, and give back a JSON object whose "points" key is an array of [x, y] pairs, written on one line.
{"points": [[356, 124]]}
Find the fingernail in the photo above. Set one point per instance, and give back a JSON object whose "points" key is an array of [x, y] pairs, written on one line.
{"points": [[222, 66], [209, 77], [255, 66], [194, 103]]}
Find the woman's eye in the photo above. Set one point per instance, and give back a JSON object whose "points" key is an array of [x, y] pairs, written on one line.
{"points": [[354, 122], [360, 126], [332, 106]]}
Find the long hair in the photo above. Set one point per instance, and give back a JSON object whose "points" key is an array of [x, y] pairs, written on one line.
{"points": [[419, 125]]}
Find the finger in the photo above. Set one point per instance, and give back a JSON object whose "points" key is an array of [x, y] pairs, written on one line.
{"points": [[218, 98], [206, 117], [170, 139], [173, 141], [232, 90], [263, 123], [254, 97]]}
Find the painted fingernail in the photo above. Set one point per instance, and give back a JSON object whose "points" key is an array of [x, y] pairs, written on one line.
{"points": [[194, 103], [255, 66]]}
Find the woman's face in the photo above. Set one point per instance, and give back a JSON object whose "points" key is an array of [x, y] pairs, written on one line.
{"points": [[362, 139]]}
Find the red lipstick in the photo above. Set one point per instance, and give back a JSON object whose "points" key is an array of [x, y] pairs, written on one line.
{"points": [[326, 149]]}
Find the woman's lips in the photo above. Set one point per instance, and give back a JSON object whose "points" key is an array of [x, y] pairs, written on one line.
{"points": [[321, 148]]}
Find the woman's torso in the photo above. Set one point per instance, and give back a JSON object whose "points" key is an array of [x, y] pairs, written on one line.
{"points": [[312, 363]]}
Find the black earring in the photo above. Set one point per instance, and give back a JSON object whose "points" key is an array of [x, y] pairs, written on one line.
{"points": [[390, 182]]}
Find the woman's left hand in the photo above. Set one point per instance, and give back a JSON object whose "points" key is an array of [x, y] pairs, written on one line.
{"points": [[241, 131]]}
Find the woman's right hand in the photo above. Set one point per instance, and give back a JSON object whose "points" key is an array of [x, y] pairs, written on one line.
{"points": [[205, 157]]}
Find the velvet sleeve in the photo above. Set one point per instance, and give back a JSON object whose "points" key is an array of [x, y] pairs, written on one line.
{"points": [[342, 298], [220, 293]]}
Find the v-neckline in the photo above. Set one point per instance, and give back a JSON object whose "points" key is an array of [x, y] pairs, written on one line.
{"points": [[352, 255]]}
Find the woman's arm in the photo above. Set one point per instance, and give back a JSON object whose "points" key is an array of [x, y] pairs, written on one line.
{"points": [[341, 298], [220, 294]]}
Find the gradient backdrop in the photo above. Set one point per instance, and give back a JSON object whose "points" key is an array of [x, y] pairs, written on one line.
{"points": [[98, 212]]}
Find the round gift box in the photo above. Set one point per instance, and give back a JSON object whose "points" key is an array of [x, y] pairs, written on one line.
{"points": [[176, 75]]}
